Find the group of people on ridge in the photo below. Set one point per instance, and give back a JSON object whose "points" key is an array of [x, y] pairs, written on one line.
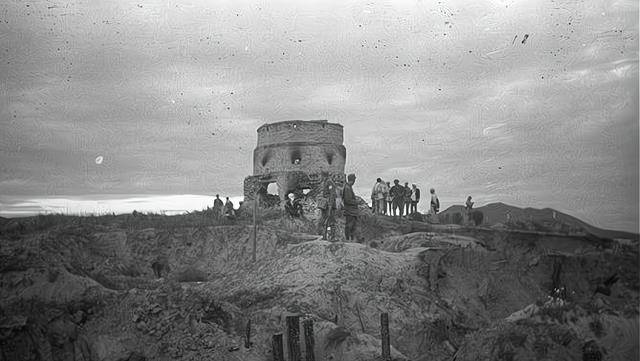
{"points": [[333, 200], [220, 209], [397, 200]]}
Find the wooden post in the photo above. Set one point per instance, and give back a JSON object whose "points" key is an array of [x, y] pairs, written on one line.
{"points": [[293, 337], [309, 342], [384, 333], [278, 351], [247, 340], [256, 200]]}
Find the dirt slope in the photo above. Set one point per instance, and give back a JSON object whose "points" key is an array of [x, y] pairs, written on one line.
{"points": [[89, 292]]}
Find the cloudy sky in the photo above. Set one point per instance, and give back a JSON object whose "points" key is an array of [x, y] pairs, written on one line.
{"points": [[532, 103]]}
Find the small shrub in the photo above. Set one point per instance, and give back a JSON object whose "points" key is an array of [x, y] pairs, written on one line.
{"points": [[457, 218], [477, 217], [446, 218], [417, 216]]}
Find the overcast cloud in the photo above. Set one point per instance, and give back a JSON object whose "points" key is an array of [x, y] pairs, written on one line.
{"points": [[532, 103]]}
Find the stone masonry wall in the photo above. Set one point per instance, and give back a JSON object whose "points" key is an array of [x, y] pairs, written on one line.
{"points": [[317, 147], [314, 131], [313, 158], [288, 182]]}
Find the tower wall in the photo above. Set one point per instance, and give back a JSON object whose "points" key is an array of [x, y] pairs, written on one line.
{"points": [[316, 144], [294, 154], [311, 131]]}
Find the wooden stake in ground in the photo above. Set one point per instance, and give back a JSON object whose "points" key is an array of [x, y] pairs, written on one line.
{"points": [[384, 334], [278, 351], [309, 342], [247, 340], [293, 337]]}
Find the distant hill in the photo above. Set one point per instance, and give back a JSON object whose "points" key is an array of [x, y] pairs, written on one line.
{"points": [[495, 213]]}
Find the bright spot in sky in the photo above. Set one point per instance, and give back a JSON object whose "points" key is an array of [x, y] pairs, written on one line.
{"points": [[99, 159]]}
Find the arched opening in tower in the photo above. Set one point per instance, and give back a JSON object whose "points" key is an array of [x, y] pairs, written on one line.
{"points": [[272, 188], [295, 156], [269, 195], [329, 158], [265, 158]]}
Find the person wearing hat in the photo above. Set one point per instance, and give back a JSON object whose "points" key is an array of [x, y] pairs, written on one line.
{"points": [[350, 208]]}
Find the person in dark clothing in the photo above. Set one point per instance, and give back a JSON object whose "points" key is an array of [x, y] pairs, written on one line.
{"points": [[350, 208], [397, 192], [435, 202], [288, 205], [415, 198], [293, 206], [468, 207], [217, 206], [228, 208], [407, 199]]}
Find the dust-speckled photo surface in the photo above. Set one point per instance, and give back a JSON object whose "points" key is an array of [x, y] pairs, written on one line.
{"points": [[319, 180]]}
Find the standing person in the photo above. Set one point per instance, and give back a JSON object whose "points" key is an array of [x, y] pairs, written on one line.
{"points": [[389, 198], [327, 206], [288, 205], [374, 205], [397, 193], [468, 206], [435, 202], [297, 205], [407, 199], [217, 206], [385, 195], [228, 207], [379, 196], [415, 198], [350, 208]]}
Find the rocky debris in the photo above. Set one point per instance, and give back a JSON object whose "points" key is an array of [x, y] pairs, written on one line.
{"points": [[555, 330], [338, 343], [428, 240], [448, 291]]}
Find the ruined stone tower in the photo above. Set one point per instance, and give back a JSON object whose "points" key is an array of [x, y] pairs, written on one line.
{"points": [[295, 155]]}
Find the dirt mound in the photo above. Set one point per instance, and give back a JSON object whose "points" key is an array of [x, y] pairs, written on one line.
{"points": [[117, 292]]}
